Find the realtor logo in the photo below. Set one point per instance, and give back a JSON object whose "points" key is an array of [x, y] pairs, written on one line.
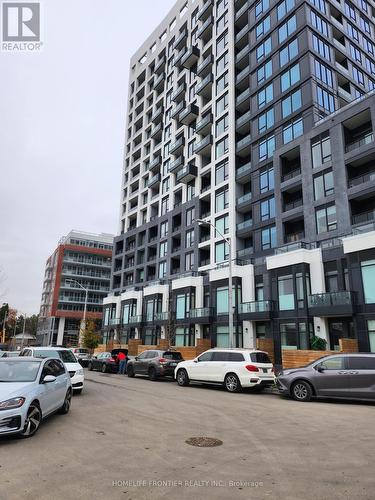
{"points": [[21, 26]]}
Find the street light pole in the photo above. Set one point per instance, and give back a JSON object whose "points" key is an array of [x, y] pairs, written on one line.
{"points": [[23, 330], [202, 222], [83, 322]]}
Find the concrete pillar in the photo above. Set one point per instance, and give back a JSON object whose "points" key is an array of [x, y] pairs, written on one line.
{"points": [[60, 331], [249, 336]]}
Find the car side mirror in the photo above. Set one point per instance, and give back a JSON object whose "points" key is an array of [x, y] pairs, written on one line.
{"points": [[320, 369], [196, 360], [136, 358], [48, 378]]}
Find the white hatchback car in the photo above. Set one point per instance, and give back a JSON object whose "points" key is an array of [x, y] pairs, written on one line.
{"points": [[233, 368], [30, 390], [67, 357]]}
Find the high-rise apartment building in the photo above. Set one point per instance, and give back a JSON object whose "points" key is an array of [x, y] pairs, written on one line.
{"points": [[82, 261], [246, 114]]}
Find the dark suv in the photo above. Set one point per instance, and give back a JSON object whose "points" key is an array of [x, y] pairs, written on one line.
{"points": [[154, 363]]}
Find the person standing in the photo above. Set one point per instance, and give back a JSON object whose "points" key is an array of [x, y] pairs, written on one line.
{"points": [[121, 358]]}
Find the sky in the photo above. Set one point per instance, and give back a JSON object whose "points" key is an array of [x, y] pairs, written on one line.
{"points": [[62, 123]]}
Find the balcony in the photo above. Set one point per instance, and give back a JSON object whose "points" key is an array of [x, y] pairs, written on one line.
{"points": [[242, 10], [363, 217], [159, 66], [190, 57], [205, 31], [242, 33], [243, 146], [244, 202], [366, 138], [187, 174], [361, 179], [156, 163], [243, 100], [204, 125], [180, 40], [159, 82], [114, 321], [242, 53], [157, 131], [204, 68], [203, 147], [201, 314], [331, 304], [290, 247], [290, 175], [242, 76], [177, 109], [135, 320], [154, 181], [157, 116], [245, 253], [176, 164], [243, 173], [179, 56], [205, 10], [179, 93], [243, 123], [294, 237], [293, 204], [244, 228], [204, 87], [189, 114], [258, 309], [161, 317], [177, 146]]}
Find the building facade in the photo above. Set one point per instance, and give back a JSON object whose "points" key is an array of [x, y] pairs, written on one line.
{"points": [[81, 261], [232, 105]]}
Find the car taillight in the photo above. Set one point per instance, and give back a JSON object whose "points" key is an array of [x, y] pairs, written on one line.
{"points": [[163, 360], [112, 360], [252, 368]]}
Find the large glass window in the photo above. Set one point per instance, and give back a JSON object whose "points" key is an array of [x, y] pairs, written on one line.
{"points": [[283, 8], [319, 23], [371, 334], [222, 147], [323, 185], [189, 240], [326, 219], [222, 125], [321, 47], [289, 52], [269, 238], [291, 103], [221, 104], [368, 280], [261, 7], [222, 63], [292, 130], [286, 292], [222, 336], [264, 49], [323, 73], [221, 251], [267, 209], [184, 302], [287, 28], [288, 334], [265, 95], [266, 120], [264, 72], [290, 77], [221, 199], [267, 180], [325, 99], [263, 27], [221, 172], [222, 224], [321, 150], [221, 83], [266, 148]]}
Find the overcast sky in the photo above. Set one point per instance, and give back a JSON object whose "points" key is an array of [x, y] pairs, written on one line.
{"points": [[62, 119]]}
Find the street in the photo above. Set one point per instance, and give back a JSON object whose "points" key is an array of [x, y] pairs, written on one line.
{"points": [[125, 438]]}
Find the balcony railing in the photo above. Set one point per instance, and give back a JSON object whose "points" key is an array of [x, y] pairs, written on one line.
{"points": [[178, 92], [244, 199], [293, 204], [294, 237], [245, 118], [244, 170], [362, 141], [361, 179], [180, 39], [207, 120], [290, 247], [135, 319], [242, 32], [243, 143], [242, 53], [201, 312], [243, 96], [204, 143], [245, 252], [330, 299], [242, 10], [205, 65], [364, 217], [291, 174], [114, 321], [207, 80], [161, 316], [247, 224], [258, 306]]}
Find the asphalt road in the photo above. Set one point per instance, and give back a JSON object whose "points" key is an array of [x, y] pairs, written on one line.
{"points": [[125, 438]]}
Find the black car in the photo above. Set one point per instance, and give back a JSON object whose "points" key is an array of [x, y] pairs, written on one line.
{"points": [[106, 362], [154, 363]]}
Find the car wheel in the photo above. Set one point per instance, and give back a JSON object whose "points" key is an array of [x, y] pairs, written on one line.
{"points": [[90, 367], [67, 402], [77, 391], [182, 377], [152, 374], [130, 371], [301, 391], [232, 383], [33, 420], [104, 368]]}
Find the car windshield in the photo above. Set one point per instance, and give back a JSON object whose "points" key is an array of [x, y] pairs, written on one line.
{"points": [[172, 355], [15, 371], [65, 356]]}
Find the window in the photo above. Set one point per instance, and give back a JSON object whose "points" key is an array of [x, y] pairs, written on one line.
{"points": [[221, 251], [269, 238], [189, 261], [368, 280], [222, 22], [294, 335], [267, 209], [335, 363], [261, 7], [189, 239], [323, 73], [221, 172], [190, 215], [325, 99], [221, 147], [371, 334], [184, 336], [292, 130], [162, 269], [264, 49], [290, 77], [266, 120], [361, 363], [355, 53], [164, 206], [358, 76], [221, 104], [286, 292], [221, 6], [165, 186], [221, 43], [352, 32], [291, 103], [289, 52], [319, 4], [283, 8], [221, 200], [267, 180], [323, 185], [163, 249], [326, 219], [221, 125], [350, 10], [287, 28], [266, 148], [321, 150], [265, 95], [222, 224], [221, 83], [319, 23], [222, 63], [321, 47], [264, 72], [184, 302], [263, 27]]}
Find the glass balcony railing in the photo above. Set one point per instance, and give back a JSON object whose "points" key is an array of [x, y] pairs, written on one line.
{"points": [[201, 312], [161, 316], [362, 141], [244, 199], [330, 299], [361, 179], [247, 224], [245, 169], [291, 174], [258, 306], [135, 319]]}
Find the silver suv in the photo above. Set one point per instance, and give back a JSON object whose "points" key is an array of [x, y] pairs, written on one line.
{"points": [[154, 363], [346, 376]]}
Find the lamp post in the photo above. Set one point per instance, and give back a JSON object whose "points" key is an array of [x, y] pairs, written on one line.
{"points": [[202, 222], [23, 331], [83, 322]]}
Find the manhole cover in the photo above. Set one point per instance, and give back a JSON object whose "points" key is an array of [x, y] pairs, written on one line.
{"points": [[204, 442]]}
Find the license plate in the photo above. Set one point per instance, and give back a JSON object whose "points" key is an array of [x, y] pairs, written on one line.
{"points": [[265, 370]]}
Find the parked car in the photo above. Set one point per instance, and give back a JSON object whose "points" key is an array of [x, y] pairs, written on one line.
{"points": [[154, 363], [106, 362], [30, 390], [82, 354], [233, 368], [347, 376], [9, 354], [67, 357]]}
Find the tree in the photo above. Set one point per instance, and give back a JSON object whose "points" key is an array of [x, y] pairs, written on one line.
{"points": [[32, 324], [90, 336]]}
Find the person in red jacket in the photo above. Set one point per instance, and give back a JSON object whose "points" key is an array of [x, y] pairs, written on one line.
{"points": [[122, 359]]}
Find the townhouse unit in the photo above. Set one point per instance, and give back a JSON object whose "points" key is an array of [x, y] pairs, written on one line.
{"points": [[245, 114]]}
